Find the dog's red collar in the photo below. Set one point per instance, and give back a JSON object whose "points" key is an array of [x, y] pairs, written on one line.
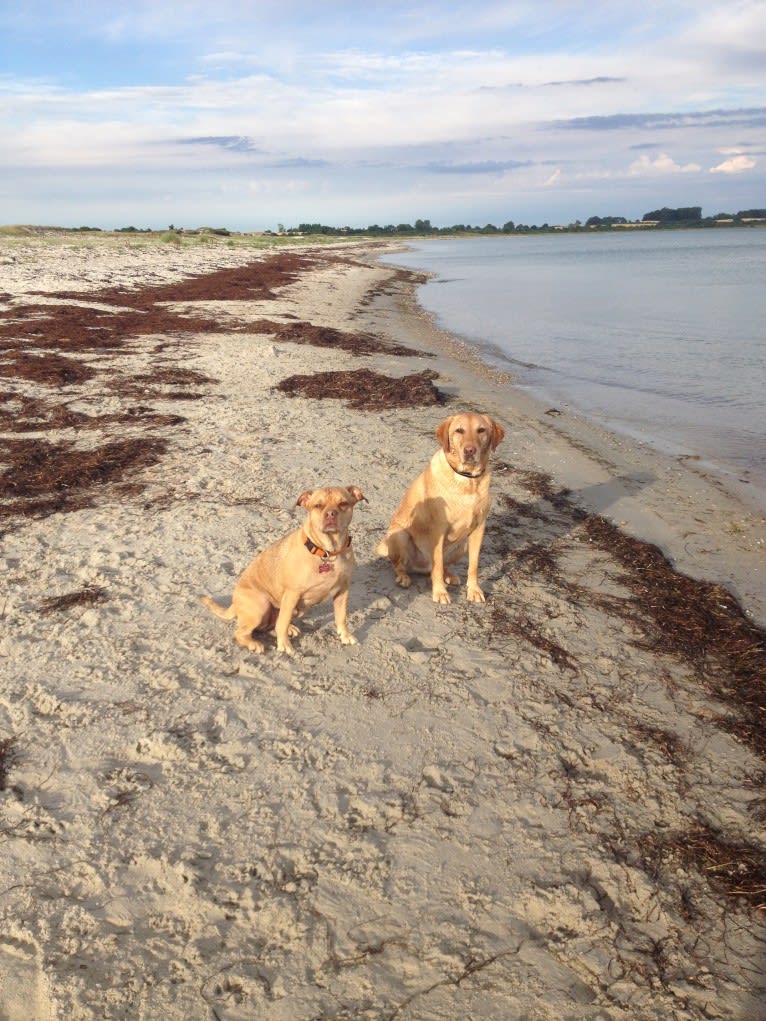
{"points": [[325, 554]]}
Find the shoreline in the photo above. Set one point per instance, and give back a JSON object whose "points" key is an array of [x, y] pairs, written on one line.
{"points": [[549, 804]]}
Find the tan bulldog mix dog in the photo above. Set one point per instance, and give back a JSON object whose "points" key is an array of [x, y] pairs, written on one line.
{"points": [[306, 567], [444, 512]]}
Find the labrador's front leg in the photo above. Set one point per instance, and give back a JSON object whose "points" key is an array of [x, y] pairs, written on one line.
{"points": [[439, 592], [475, 539]]}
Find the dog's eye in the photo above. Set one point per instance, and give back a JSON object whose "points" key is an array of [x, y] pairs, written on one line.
{"points": [[343, 506], [460, 430], [481, 429]]}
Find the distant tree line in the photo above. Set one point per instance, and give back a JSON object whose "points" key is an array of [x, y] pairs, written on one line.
{"points": [[691, 216], [685, 216], [419, 227]]}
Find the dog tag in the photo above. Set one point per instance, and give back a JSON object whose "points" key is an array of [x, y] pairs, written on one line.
{"points": [[324, 567]]}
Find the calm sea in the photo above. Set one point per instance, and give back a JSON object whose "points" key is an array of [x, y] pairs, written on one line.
{"points": [[659, 336]]}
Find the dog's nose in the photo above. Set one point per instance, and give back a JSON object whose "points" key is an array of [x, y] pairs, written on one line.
{"points": [[469, 451]]}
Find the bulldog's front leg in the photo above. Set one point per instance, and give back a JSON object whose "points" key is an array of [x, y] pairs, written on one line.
{"points": [[340, 608], [284, 626]]}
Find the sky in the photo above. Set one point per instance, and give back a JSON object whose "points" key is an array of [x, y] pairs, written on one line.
{"points": [[251, 115]]}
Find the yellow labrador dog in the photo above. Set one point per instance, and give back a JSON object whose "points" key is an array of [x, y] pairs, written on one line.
{"points": [[444, 512], [306, 567]]}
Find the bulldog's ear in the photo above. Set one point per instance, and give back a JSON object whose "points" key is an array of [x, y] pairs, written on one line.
{"points": [[357, 494], [442, 434], [304, 498], [497, 433]]}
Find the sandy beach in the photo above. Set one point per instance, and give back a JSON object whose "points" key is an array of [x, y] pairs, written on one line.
{"points": [[548, 806]]}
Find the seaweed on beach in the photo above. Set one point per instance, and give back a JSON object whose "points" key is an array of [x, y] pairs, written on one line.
{"points": [[254, 281], [42, 477], [154, 385], [734, 867], [149, 388], [539, 560], [698, 621], [509, 623], [82, 328], [365, 390], [669, 743], [540, 485], [341, 340], [398, 276], [90, 595], [21, 413], [519, 509], [7, 760], [174, 377], [44, 367]]}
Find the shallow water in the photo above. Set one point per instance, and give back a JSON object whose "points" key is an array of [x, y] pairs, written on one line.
{"points": [[656, 335]]}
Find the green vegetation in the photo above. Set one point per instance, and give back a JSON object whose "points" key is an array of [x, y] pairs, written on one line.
{"points": [[689, 216], [686, 216]]}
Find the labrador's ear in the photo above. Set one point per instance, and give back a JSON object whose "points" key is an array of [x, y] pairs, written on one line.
{"points": [[442, 433], [497, 433]]}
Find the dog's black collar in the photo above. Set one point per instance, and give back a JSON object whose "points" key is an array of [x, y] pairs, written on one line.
{"points": [[467, 475]]}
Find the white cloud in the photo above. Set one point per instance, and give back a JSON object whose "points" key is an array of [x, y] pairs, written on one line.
{"points": [[737, 27], [662, 164], [735, 165]]}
